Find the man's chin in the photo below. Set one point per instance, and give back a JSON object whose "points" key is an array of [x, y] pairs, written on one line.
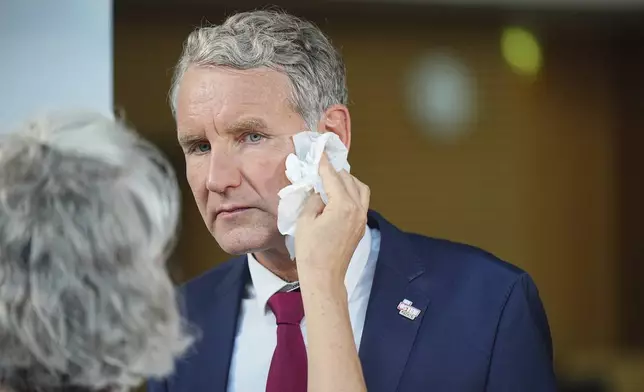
{"points": [[242, 243], [240, 250]]}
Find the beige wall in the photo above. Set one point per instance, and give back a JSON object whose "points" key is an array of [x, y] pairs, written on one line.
{"points": [[534, 183]]}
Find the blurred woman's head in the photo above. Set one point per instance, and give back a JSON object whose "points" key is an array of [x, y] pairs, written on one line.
{"points": [[88, 217]]}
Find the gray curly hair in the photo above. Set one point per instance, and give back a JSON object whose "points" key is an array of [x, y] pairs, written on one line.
{"points": [[88, 217], [278, 41]]}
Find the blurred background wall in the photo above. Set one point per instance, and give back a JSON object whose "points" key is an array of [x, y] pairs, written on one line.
{"points": [[54, 54]]}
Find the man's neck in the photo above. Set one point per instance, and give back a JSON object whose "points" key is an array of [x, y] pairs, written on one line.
{"points": [[278, 262]]}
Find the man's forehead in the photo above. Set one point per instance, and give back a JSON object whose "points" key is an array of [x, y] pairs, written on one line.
{"points": [[224, 100], [205, 83], [214, 89]]}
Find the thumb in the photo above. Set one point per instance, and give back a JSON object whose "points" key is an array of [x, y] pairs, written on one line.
{"points": [[313, 206]]}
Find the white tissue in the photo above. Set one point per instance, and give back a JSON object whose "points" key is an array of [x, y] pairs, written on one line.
{"points": [[302, 171]]}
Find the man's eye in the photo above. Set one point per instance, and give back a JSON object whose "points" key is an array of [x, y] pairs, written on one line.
{"points": [[253, 138], [201, 147]]}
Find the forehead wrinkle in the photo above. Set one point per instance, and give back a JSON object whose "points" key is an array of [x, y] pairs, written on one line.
{"points": [[204, 92], [232, 117]]}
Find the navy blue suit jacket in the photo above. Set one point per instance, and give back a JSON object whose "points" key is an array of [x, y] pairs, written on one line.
{"points": [[481, 327]]}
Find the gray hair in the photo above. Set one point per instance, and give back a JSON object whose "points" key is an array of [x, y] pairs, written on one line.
{"points": [[278, 41], [88, 217]]}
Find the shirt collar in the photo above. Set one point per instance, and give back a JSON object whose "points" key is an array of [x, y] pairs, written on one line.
{"points": [[265, 283]]}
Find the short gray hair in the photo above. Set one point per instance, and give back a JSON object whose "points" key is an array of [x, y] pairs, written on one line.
{"points": [[88, 217], [278, 41]]}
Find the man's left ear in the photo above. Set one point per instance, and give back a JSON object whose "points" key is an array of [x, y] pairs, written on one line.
{"points": [[336, 119]]}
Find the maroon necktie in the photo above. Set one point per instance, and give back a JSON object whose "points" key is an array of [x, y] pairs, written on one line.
{"points": [[289, 365]]}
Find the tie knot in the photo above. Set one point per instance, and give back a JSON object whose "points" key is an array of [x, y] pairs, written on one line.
{"points": [[287, 307]]}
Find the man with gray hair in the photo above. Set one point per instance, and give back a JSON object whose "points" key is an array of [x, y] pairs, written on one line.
{"points": [[420, 314], [88, 216]]}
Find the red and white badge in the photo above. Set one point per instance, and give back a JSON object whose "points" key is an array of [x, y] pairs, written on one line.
{"points": [[407, 310]]}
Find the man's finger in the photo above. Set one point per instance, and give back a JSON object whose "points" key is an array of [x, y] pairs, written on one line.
{"points": [[350, 185], [365, 194], [313, 206], [331, 180]]}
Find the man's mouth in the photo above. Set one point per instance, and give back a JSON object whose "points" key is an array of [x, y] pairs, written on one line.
{"points": [[230, 211]]}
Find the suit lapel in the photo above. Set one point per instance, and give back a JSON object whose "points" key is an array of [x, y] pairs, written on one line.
{"points": [[218, 330], [388, 337]]}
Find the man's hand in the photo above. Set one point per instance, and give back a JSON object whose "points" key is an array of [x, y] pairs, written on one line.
{"points": [[325, 240], [328, 235]]}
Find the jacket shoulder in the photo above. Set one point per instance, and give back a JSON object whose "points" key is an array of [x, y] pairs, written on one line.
{"points": [[447, 254], [204, 285]]}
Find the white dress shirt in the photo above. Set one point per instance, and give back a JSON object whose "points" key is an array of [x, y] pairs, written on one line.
{"points": [[256, 336]]}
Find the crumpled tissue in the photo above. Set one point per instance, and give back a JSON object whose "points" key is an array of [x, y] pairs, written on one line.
{"points": [[302, 170]]}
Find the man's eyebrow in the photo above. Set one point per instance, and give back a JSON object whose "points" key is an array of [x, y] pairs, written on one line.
{"points": [[247, 124], [186, 140]]}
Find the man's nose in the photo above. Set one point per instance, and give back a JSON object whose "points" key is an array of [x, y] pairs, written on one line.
{"points": [[223, 172]]}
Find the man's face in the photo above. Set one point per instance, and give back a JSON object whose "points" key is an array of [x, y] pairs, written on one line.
{"points": [[235, 129]]}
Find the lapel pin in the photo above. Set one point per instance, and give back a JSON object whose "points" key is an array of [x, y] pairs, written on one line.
{"points": [[406, 309]]}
